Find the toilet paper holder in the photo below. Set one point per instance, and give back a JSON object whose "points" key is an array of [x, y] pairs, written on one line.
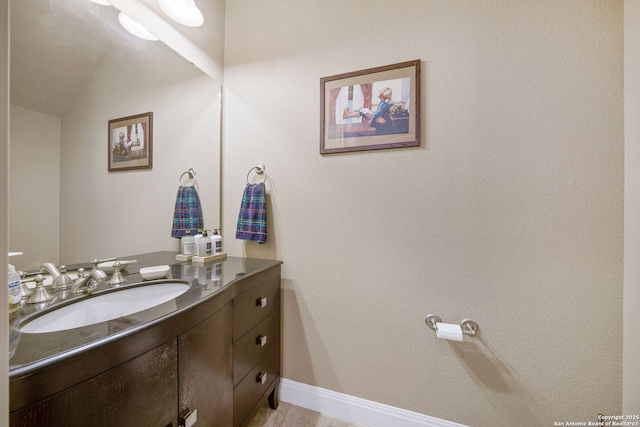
{"points": [[469, 327]]}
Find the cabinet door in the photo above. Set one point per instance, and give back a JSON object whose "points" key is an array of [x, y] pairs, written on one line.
{"points": [[205, 366], [141, 392]]}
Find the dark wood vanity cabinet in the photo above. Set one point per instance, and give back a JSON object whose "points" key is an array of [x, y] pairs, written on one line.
{"points": [[219, 361], [189, 373], [137, 393]]}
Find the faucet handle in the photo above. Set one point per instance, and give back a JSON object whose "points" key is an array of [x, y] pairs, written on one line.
{"points": [[26, 291], [117, 279], [63, 281], [96, 273], [40, 293]]}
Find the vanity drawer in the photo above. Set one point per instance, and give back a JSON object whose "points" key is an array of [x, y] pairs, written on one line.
{"points": [[254, 345], [254, 305], [249, 391]]}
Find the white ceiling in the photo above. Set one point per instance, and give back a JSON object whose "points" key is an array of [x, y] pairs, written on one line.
{"points": [[54, 48], [56, 44]]}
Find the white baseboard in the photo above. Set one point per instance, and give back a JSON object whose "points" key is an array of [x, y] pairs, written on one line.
{"points": [[353, 409]]}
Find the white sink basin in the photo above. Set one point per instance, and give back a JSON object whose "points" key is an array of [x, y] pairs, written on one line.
{"points": [[105, 307]]}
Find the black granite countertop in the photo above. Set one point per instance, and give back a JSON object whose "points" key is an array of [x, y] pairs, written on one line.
{"points": [[30, 352]]}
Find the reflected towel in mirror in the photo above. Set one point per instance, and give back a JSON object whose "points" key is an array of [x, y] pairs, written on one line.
{"points": [[188, 212]]}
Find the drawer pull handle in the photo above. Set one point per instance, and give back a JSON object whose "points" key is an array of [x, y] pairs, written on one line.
{"points": [[261, 340], [262, 378], [187, 418], [261, 302]]}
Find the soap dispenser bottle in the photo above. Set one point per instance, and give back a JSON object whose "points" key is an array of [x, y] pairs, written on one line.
{"points": [[15, 290], [188, 244], [205, 247], [216, 239], [197, 238]]}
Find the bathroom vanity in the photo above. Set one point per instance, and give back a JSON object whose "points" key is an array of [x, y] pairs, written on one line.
{"points": [[210, 357]]}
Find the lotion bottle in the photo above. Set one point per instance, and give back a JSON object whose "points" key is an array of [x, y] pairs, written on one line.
{"points": [[216, 239], [15, 290], [197, 238], [205, 247], [188, 244]]}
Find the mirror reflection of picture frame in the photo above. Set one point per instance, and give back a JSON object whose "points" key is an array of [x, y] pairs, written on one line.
{"points": [[130, 143], [371, 109]]}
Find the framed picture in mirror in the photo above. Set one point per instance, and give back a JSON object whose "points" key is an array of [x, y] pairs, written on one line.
{"points": [[371, 109], [130, 143]]}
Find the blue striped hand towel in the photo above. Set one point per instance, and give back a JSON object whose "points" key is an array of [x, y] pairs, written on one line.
{"points": [[252, 219], [188, 212]]}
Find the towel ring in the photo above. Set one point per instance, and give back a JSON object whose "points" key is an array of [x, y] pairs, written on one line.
{"points": [[260, 170], [191, 173]]}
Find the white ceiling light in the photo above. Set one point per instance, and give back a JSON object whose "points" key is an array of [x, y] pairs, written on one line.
{"points": [[102, 2], [183, 11], [134, 28]]}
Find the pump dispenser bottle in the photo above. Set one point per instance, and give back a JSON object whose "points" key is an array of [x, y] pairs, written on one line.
{"points": [[216, 239], [205, 247], [188, 244], [15, 290], [197, 238]]}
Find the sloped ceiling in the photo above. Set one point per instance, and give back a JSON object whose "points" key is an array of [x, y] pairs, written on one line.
{"points": [[56, 45]]}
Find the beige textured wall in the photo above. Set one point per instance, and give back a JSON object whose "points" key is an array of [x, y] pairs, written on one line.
{"points": [[34, 188], [510, 213], [631, 356]]}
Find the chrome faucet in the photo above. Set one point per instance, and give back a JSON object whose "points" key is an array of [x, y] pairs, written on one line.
{"points": [[87, 282], [84, 282], [49, 267]]}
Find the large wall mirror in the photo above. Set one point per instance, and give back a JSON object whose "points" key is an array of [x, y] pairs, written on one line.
{"points": [[74, 68]]}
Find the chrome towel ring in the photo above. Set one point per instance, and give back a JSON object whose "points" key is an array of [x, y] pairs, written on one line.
{"points": [[260, 170], [191, 173]]}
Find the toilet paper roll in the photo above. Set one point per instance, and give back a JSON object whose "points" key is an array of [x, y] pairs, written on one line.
{"points": [[449, 331]]}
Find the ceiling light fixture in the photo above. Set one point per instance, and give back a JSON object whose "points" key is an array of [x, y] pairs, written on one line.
{"points": [[183, 11], [134, 28], [101, 2]]}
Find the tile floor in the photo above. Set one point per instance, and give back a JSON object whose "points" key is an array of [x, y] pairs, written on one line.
{"points": [[288, 415]]}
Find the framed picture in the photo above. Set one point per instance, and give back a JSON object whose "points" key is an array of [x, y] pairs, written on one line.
{"points": [[130, 143], [371, 109]]}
